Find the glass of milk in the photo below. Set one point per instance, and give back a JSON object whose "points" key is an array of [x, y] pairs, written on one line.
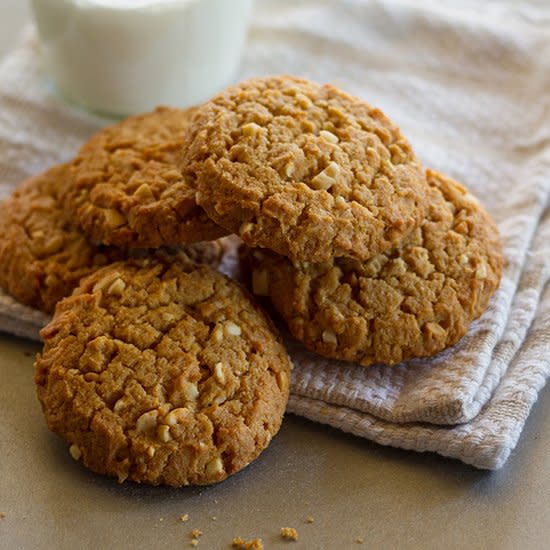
{"points": [[121, 57]]}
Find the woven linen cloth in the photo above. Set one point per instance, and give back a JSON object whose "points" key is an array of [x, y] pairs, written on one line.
{"points": [[468, 83]]}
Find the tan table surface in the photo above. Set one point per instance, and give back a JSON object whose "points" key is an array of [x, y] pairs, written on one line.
{"points": [[351, 487]]}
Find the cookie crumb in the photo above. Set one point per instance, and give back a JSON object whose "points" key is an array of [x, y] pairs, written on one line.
{"points": [[241, 544], [2, 515], [196, 533], [75, 452], [185, 517], [213, 518], [310, 519], [289, 533], [194, 542], [359, 540]]}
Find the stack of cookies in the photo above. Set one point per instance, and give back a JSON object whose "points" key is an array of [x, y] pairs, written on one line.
{"points": [[365, 257], [161, 370], [157, 369]]}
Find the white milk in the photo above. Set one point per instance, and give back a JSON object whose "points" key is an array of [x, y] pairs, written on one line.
{"points": [[127, 56]]}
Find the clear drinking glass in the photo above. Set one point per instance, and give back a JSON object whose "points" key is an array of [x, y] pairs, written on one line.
{"points": [[127, 56]]}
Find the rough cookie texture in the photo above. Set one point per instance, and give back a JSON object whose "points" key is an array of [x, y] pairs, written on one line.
{"points": [[43, 255], [303, 169], [125, 188], [409, 302], [162, 374]]}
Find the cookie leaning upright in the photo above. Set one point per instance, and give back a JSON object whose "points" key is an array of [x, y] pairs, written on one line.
{"points": [[127, 191], [303, 169], [162, 373], [412, 301]]}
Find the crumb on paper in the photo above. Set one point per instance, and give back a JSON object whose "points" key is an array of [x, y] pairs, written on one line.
{"points": [[195, 542], [310, 519], [184, 517], [2, 515], [241, 544], [289, 533], [196, 533], [213, 518], [359, 540]]}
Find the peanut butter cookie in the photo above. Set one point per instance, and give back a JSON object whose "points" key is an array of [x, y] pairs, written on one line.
{"points": [[305, 170], [125, 189], [43, 255], [409, 302], [162, 373]]}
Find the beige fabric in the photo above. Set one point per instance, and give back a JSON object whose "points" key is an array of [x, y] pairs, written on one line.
{"points": [[468, 83]]}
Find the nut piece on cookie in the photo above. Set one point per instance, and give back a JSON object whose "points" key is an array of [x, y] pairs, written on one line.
{"points": [[125, 189], [137, 385], [412, 301], [305, 170]]}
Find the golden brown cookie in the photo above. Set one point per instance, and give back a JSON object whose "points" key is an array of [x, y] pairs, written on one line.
{"points": [[410, 302], [43, 255], [303, 169], [162, 374], [127, 191]]}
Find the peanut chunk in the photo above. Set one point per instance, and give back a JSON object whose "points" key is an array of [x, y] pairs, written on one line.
{"points": [[147, 421], [219, 373], [106, 281], [232, 329], [120, 404], [214, 467], [251, 129], [340, 201], [117, 287], [481, 271], [217, 334], [113, 218], [282, 380], [328, 136], [327, 178], [246, 227], [175, 416], [143, 192], [190, 391], [163, 433], [329, 337]]}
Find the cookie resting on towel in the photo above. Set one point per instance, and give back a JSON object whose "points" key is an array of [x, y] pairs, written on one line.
{"points": [[412, 301], [305, 170], [43, 255], [126, 190]]}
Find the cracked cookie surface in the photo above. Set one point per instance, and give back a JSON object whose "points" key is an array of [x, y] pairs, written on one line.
{"points": [[126, 190], [43, 255], [412, 301], [162, 374], [305, 170]]}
